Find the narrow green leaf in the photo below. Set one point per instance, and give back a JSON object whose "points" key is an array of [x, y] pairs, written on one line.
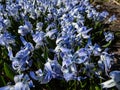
{"points": [[2, 81], [45, 53], [83, 85], [97, 88], [8, 71], [106, 45]]}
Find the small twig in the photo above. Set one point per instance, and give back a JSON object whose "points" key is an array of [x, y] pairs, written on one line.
{"points": [[115, 2]]}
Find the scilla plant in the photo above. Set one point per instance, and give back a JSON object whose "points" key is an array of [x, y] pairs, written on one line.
{"points": [[54, 44]]}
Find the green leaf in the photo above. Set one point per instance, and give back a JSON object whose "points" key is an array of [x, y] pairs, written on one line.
{"points": [[97, 88], [45, 53], [2, 81], [1, 61], [83, 85], [106, 45], [8, 71]]}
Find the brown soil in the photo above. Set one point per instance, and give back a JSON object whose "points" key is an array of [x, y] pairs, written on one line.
{"points": [[113, 7]]}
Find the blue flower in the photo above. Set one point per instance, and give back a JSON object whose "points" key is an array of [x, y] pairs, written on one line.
{"points": [[83, 32], [7, 23], [107, 59], [52, 34], [109, 36], [51, 26], [62, 49], [22, 82], [22, 61], [115, 75], [39, 72], [33, 15], [112, 18], [69, 72], [62, 21], [102, 15], [108, 84], [6, 39], [33, 76], [101, 65], [38, 38], [96, 50], [52, 69], [69, 68], [2, 25], [22, 85], [90, 15], [39, 26], [46, 77], [81, 56], [69, 76], [25, 29], [67, 60], [5, 88], [37, 75], [29, 46]]}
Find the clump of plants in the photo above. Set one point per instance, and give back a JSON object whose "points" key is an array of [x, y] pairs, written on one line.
{"points": [[54, 44]]}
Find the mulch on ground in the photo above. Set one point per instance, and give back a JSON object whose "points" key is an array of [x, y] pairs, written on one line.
{"points": [[113, 7]]}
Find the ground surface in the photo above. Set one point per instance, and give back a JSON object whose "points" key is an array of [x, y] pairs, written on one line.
{"points": [[113, 7]]}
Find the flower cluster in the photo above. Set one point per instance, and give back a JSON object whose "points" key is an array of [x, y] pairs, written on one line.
{"points": [[48, 39]]}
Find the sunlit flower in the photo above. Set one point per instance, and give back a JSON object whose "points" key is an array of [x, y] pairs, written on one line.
{"points": [[107, 59], [112, 18], [83, 32], [52, 34], [25, 29], [58, 32], [108, 36], [52, 70], [38, 38], [6, 39], [115, 75], [81, 56]]}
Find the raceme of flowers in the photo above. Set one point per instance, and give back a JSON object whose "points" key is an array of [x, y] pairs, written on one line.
{"points": [[55, 35]]}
